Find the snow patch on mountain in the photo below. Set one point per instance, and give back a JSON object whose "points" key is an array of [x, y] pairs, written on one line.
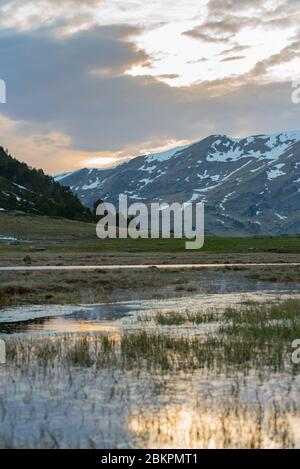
{"points": [[61, 176], [149, 169], [275, 172], [165, 155], [93, 185], [274, 145], [281, 217]]}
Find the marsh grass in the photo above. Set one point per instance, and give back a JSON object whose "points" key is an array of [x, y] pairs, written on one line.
{"points": [[129, 384], [3, 298], [253, 336], [264, 334], [175, 318], [292, 274]]}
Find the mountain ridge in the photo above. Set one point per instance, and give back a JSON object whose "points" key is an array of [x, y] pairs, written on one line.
{"points": [[250, 185]]}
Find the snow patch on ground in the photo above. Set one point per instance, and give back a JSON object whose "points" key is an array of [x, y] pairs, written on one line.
{"points": [[7, 238]]}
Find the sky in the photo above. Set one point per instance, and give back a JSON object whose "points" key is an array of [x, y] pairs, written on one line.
{"points": [[91, 83]]}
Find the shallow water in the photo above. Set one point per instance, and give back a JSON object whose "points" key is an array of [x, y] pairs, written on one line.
{"points": [[77, 406], [213, 290], [57, 407]]}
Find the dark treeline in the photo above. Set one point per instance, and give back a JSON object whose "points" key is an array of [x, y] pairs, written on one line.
{"points": [[30, 190]]}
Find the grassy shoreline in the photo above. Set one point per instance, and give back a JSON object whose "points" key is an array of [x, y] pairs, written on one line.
{"points": [[66, 236], [56, 241], [71, 287]]}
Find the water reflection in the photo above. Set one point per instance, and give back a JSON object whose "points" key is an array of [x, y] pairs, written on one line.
{"points": [[122, 409], [74, 319], [104, 317], [199, 410], [62, 326], [62, 404]]}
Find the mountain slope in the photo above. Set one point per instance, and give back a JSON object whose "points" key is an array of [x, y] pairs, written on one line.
{"points": [[30, 190], [249, 186]]}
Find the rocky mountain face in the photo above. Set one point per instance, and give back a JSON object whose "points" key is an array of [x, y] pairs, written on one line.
{"points": [[30, 190], [250, 186]]}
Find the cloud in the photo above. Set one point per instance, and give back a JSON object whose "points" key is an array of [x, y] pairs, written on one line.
{"points": [[235, 57], [169, 76], [28, 14], [217, 30], [226, 18], [197, 33], [52, 78], [235, 49], [71, 100], [287, 54], [65, 113], [196, 61]]}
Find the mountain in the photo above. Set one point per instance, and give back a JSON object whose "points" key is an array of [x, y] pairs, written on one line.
{"points": [[30, 190], [250, 186]]}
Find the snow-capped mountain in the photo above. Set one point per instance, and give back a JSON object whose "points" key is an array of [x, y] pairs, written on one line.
{"points": [[249, 185]]}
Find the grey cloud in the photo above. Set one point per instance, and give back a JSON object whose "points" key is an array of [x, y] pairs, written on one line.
{"points": [[59, 16], [196, 33], [37, 67], [169, 76], [50, 84], [216, 7], [227, 17], [234, 49], [202, 59], [217, 30], [236, 57], [287, 54], [46, 4]]}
